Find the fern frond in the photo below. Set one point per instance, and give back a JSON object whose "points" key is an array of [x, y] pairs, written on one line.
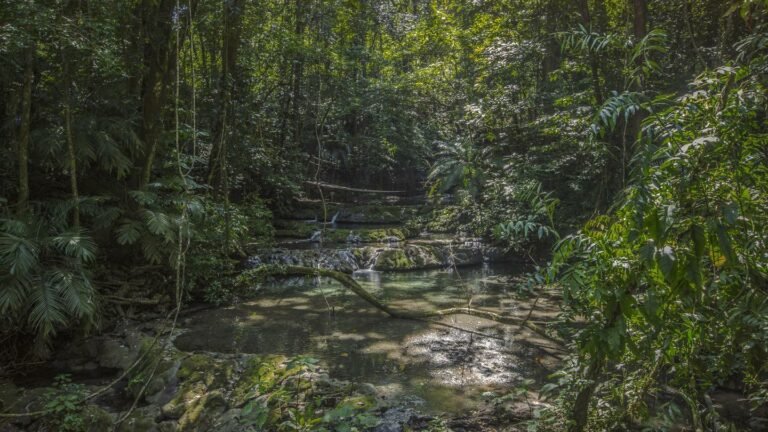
{"points": [[18, 254], [76, 244], [13, 292], [128, 231], [75, 290], [47, 310]]}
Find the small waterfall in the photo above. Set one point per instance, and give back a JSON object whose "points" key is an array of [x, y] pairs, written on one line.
{"points": [[369, 271], [374, 257], [333, 219]]}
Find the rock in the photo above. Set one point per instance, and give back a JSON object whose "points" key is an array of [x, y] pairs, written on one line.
{"points": [[411, 257], [367, 389], [202, 412], [494, 254], [402, 419], [141, 420], [97, 419], [161, 386], [115, 354], [229, 422], [168, 426], [466, 255], [186, 394]]}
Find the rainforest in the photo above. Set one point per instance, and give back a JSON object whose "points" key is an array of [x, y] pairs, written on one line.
{"points": [[383, 215]]}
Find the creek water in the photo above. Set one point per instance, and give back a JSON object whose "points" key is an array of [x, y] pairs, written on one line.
{"points": [[439, 366]]}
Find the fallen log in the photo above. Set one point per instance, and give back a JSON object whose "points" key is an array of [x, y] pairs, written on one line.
{"points": [[350, 189], [129, 301], [348, 282]]}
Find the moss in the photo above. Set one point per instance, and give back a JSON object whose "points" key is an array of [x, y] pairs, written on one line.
{"points": [[97, 419], [359, 402], [377, 213], [259, 375], [194, 367], [151, 353], [294, 229], [424, 255], [392, 259], [366, 235], [209, 371], [443, 219], [411, 257], [140, 420], [380, 235], [202, 412]]}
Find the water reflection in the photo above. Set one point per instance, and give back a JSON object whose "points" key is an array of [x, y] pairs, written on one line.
{"points": [[442, 365]]}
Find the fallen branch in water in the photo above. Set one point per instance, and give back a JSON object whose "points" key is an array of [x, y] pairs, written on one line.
{"points": [[351, 284], [129, 301]]}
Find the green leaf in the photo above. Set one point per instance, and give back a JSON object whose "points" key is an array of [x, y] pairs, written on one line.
{"points": [[667, 259], [699, 240], [128, 231], [76, 245]]}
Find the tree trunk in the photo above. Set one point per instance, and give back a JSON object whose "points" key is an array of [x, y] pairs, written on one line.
{"points": [[23, 149], [586, 20], [70, 141], [297, 73], [157, 33], [580, 413], [233, 17], [640, 23]]}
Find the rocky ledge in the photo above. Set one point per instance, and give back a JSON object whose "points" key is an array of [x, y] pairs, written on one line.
{"points": [[393, 256]]}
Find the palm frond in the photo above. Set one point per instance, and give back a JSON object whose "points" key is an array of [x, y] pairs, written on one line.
{"points": [[76, 244]]}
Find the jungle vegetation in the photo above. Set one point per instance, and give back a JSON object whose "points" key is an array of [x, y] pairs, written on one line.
{"points": [[622, 142]]}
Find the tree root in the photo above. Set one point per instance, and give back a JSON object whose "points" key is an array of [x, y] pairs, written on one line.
{"points": [[348, 282]]}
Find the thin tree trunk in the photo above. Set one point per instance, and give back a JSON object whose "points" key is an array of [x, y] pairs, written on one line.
{"points": [[639, 27], [580, 413], [233, 14], [593, 60], [298, 71], [640, 22], [23, 149], [70, 142], [157, 33]]}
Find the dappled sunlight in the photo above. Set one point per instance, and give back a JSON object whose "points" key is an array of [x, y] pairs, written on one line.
{"points": [[447, 362]]}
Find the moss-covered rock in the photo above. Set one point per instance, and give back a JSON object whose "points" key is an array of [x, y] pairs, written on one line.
{"points": [[202, 412], [203, 368], [294, 229], [97, 419], [258, 376], [141, 420], [392, 260], [410, 257], [156, 372]]}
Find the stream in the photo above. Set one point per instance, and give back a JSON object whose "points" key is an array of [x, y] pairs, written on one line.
{"points": [[438, 366]]}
